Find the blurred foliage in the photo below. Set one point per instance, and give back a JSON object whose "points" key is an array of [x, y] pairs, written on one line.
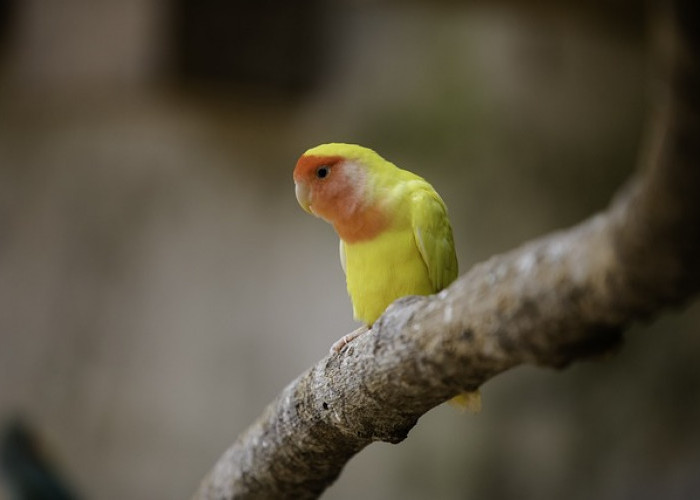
{"points": [[25, 466]]}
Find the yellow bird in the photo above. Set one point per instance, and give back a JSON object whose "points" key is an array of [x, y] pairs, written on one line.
{"points": [[395, 235]]}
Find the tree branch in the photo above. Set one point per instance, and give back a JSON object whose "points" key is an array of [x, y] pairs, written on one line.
{"points": [[552, 301]]}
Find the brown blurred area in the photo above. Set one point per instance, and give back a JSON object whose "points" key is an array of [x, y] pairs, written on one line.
{"points": [[159, 284]]}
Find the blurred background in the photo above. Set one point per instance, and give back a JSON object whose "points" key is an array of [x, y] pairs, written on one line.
{"points": [[159, 284]]}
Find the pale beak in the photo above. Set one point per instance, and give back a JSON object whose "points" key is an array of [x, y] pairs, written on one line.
{"points": [[303, 194]]}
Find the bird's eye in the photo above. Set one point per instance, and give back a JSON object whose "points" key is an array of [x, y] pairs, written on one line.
{"points": [[323, 171]]}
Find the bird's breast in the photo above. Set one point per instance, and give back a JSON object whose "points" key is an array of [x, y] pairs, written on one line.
{"points": [[383, 269]]}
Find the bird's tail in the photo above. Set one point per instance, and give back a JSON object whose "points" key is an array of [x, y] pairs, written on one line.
{"points": [[467, 401]]}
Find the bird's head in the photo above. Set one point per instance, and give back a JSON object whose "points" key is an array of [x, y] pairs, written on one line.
{"points": [[339, 183], [330, 180]]}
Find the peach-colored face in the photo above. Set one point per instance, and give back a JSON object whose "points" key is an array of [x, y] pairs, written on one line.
{"points": [[321, 185], [334, 188]]}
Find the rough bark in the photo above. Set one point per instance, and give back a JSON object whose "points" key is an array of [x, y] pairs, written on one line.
{"points": [[549, 302]]}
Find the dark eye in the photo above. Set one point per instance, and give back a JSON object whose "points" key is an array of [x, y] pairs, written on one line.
{"points": [[323, 171]]}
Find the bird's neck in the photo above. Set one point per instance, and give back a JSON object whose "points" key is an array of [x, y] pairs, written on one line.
{"points": [[363, 224]]}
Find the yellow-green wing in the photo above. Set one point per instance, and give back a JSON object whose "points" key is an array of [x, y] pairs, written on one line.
{"points": [[433, 235]]}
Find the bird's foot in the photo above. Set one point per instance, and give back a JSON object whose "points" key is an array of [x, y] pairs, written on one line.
{"points": [[346, 339]]}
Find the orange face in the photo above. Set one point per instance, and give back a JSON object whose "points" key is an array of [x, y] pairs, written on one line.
{"points": [[335, 189], [317, 182]]}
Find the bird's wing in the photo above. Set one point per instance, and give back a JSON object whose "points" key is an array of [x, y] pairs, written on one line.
{"points": [[433, 235]]}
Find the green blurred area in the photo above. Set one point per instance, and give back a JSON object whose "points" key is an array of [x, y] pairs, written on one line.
{"points": [[160, 285]]}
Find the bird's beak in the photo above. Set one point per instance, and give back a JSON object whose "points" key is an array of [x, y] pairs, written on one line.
{"points": [[303, 196]]}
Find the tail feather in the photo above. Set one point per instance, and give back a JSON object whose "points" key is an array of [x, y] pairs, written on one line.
{"points": [[467, 401]]}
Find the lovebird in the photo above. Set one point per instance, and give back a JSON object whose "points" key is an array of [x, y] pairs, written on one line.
{"points": [[395, 235]]}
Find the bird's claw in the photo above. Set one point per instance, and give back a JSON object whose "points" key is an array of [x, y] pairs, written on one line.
{"points": [[346, 339]]}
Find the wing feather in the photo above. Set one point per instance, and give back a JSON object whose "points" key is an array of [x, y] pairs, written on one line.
{"points": [[433, 235]]}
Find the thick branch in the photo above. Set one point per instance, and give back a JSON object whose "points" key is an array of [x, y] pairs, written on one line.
{"points": [[549, 302]]}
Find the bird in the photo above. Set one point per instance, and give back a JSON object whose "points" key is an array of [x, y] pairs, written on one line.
{"points": [[395, 233]]}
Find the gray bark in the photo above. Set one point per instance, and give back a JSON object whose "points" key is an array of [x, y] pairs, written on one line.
{"points": [[552, 301]]}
